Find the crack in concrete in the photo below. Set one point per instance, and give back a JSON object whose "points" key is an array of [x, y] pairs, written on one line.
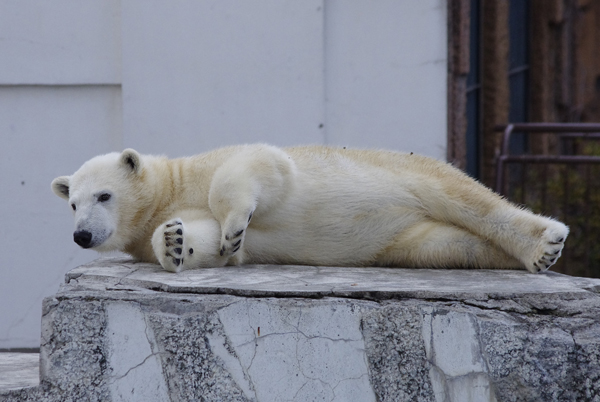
{"points": [[297, 392], [112, 379], [121, 279], [444, 379], [255, 341], [271, 334], [324, 383], [349, 379], [152, 345], [231, 349], [328, 338], [298, 331], [151, 342]]}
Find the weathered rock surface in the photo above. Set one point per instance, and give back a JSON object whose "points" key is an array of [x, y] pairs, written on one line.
{"points": [[124, 331]]}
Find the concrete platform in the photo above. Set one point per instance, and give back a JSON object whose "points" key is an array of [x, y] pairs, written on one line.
{"points": [[317, 282], [19, 370], [124, 331]]}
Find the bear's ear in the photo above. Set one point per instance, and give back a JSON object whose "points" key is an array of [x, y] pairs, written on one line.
{"points": [[60, 186], [131, 160]]}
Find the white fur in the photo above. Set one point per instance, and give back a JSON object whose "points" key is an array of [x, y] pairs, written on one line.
{"points": [[303, 205]]}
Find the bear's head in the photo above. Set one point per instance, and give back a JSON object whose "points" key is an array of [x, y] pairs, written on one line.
{"points": [[102, 193]]}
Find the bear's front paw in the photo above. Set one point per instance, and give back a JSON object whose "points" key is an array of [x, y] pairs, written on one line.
{"points": [[549, 248], [170, 245], [233, 234]]}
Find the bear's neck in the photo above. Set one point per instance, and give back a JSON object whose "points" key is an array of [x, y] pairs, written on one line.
{"points": [[149, 202], [168, 186]]}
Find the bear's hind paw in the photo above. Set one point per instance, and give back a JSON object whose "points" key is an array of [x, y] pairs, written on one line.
{"points": [[549, 248]]}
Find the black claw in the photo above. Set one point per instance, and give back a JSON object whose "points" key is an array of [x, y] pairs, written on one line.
{"points": [[171, 224], [236, 234], [235, 250], [222, 250], [226, 237], [250, 217], [179, 241], [176, 261], [237, 243], [177, 250], [191, 251]]}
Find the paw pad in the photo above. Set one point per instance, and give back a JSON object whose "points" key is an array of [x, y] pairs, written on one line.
{"points": [[173, 240]]}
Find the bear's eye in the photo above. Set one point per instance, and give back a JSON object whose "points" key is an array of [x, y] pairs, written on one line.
{"points": [[104, 197], [74, 207]]}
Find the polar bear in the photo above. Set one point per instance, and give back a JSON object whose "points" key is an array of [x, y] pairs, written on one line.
{"points": [[310, 205]]}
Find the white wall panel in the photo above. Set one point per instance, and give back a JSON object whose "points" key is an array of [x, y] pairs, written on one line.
{"points": [[386, 69], [202, 74], [46, 132], [60, 42]]}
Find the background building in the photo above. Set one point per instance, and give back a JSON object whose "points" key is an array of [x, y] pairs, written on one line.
{"points": [[82, 78], [518, 61], [531, 61]]}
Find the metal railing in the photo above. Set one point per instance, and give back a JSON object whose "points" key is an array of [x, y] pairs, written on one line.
{"points": [[564, 130], [565, 184]]}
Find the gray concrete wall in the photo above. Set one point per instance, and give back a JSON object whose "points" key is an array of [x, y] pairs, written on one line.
{"points": [[81, 78]]}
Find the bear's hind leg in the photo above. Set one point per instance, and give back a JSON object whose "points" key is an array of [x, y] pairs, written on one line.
{"points": [[431, 244], [458, 200], [180, 244]]}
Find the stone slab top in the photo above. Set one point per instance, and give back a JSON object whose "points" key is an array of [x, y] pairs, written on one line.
{"points": [[119, 274]]}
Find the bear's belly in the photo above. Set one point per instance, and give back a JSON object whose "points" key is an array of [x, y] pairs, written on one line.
{"points": [[327, 238]]}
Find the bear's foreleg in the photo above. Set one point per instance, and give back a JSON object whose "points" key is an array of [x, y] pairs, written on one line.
{"points": [[250, 183], [181, 244]]}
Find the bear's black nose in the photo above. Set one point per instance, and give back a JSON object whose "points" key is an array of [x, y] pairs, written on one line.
{"points": [[83, 238]]}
